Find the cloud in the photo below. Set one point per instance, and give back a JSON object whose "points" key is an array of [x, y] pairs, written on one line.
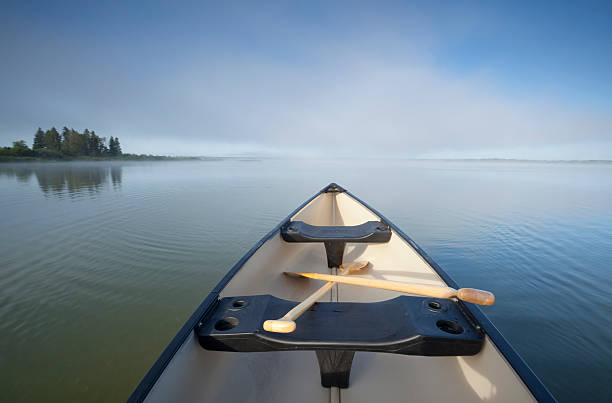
{"points": [[395, 108], [368, 92]]}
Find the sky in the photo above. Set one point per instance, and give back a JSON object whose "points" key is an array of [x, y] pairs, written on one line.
{"points": [[432, 79]]}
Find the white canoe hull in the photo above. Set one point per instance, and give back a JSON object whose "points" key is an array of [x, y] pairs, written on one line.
{"points": [[188, 372]]}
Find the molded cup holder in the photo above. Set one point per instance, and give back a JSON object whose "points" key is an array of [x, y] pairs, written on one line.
{"points": [[239, 304], [449, 326], [226, 323]]}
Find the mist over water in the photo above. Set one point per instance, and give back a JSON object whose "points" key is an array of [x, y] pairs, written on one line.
{"points": [[102, 262]]}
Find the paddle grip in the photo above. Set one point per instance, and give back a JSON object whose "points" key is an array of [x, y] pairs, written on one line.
{"points": [[279, 325], [475, 296]]}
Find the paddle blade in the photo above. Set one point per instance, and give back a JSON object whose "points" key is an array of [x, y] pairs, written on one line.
{"points": [[279, 326], [475, 296], [352, 267]]}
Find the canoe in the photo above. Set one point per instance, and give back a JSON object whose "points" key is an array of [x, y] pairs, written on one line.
{"points": [[356, 344]]}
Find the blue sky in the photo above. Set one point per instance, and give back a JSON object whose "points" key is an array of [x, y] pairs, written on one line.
{"points": [[430, 79]]}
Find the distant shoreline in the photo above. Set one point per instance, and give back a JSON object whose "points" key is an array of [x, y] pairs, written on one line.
{"points": [[124, 157], [145, 157], [508, 160]]}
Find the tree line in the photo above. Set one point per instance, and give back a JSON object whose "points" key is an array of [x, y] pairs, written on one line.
{"points": [[71, 143]]}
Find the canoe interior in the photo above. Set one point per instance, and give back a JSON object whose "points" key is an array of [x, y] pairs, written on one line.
{"points": [[195, 374]]}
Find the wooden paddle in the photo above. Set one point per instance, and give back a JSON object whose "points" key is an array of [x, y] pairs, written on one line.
{"points": [[466, 294], [286, 324]]}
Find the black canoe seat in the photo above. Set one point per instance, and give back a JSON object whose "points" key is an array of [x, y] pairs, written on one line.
{"points": [[335, 237], [336, 330]]}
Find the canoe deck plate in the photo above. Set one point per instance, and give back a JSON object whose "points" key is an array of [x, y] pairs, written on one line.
{"points": [[335, 330], [335, 237], [333, 188]]}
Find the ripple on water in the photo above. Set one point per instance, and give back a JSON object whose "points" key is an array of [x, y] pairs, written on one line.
{"points": [[117, 251]]}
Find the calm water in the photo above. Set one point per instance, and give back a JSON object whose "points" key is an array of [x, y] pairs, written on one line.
{"points": [[101, 263]]}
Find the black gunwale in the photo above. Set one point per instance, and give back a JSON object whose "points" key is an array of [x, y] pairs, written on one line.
{"points": [[537, 388], [151, 377]]}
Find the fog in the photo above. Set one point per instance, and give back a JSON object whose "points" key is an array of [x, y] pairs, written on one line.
{"points": [[375, 90]]}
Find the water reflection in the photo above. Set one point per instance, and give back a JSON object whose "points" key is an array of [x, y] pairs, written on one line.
{"points": [[66, 179], [21, 173], [116, 176]]}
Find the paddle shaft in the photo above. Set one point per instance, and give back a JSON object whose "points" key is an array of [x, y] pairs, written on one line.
{"points": [[466, 294], [308, 302], [286, 324]]}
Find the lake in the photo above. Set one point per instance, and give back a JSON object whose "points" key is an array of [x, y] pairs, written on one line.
{"points": [[102, 262]]}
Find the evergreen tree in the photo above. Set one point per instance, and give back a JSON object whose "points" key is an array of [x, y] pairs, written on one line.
{"points": [[39, 140], [112, 147], [103, 148], [86, 142], [92, 144], [52, 140], [118, 146], [81, 143], [65, 136], [96, 144], [66, 145]]}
